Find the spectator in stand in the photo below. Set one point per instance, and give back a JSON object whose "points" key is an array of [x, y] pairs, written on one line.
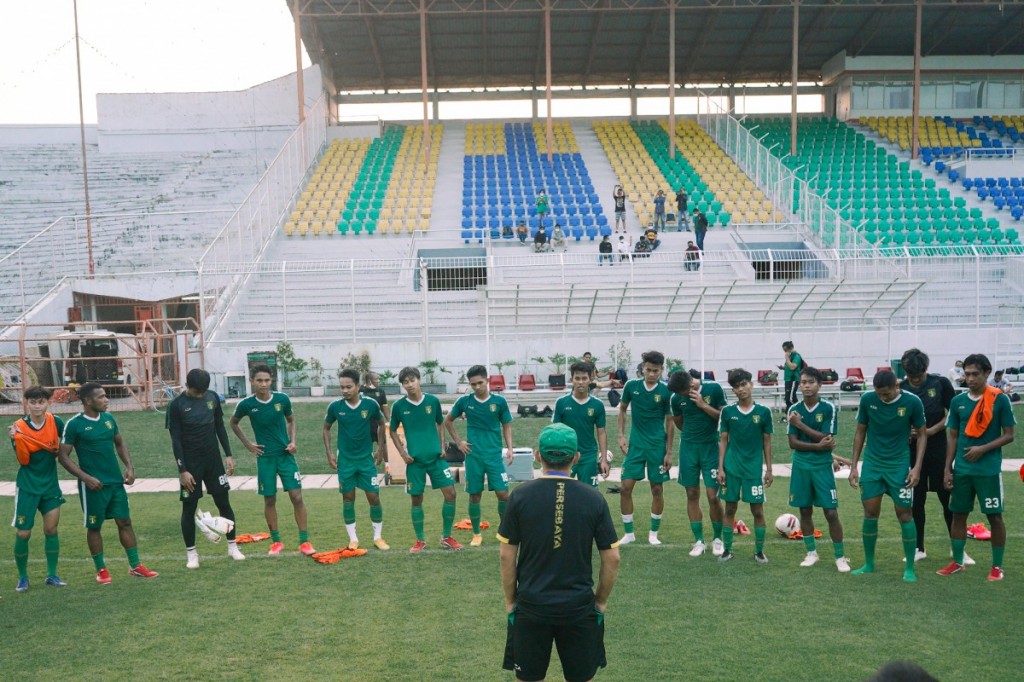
{"points": [[624, 247], [558, 238], [956, 374], [692, 257], [652, 239], [540, 241], [605, 250], [681, 207], [506, 231], [522, 232], [542, 204], [700, 227], [659, 211], [1005, 386], [620, 208]]}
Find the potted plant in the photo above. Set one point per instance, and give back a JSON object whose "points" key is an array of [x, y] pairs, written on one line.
{"points": [[498, 380], [292, 370], [430, 369], [316, 378], [673, 365], [358, 361], [389, 382], [557, 380], [462, 383]]}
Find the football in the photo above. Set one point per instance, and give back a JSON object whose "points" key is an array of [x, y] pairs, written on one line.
{"points": [[787, 524]]}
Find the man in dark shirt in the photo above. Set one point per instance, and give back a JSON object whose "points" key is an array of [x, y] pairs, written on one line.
{"points": [[540, 240], [682, 200], [196, 423], [547, 534], [371, 388], [936, 393]]}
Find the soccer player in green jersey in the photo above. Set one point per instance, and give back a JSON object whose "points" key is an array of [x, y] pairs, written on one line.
{"points": [[93, 435], [488, 422], [696, 408], [746, 440], [273, 428], [646, 449], [419, 415], [791, 365], [979, 424], [812, 431], [355, 461], [36, 439], [886, 419], [586, 416]]}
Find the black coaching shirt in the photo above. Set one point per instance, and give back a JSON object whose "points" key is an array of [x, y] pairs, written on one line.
{"points": [[196, 424], [556, 521], [936, 393]]}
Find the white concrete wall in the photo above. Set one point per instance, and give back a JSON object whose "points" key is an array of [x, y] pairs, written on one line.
{"points": [[995, 168], [28, 135], [261, 116]]}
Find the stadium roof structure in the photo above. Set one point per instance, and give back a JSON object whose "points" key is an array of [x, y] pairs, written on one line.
{"points": [[375, 44]]}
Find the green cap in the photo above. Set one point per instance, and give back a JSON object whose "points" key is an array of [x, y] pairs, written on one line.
{"points": [[558, 443]]}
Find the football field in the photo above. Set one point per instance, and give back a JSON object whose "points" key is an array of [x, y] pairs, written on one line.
{"points": [[440, 616]]}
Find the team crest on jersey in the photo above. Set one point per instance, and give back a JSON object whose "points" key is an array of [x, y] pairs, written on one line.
{"points": [[590, 411], [757, 419], [21, 519], [364, 413], [92, 519], [901, 412], [429, 409], [707, 399], [819, 418], [494, 408], [657, 398], [932, 393], [109, 425], [277, 407], [209, 404]]}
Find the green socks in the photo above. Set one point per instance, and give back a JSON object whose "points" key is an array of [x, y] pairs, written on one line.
{"points": [[809, 542], [417, 523], [501, 509], [837, 547], [697, 528], [447, 518], [98, 562], [958, 551], [655, 522], [348, 511], [304, 534], [870, 531], [997, 556], [909, 532], [21, 555], [52, 545], [474, 516], [275, 536], [758, 539], [627, 523], [716, 529], [376, 514], [133, 556], [727, 538]]}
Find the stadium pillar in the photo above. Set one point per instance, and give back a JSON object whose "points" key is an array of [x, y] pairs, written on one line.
{"points": [[298, 62], [423, 83], [915, 140], [793, 76], [547, 69], [672, 80], [81, 131]]}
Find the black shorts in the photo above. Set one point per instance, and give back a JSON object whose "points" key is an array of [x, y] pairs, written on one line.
{"points": [[932, 469], [580, 645], [209, 474]]}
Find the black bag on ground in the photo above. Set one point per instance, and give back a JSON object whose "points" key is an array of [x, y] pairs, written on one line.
{"points": [[614, 397]]}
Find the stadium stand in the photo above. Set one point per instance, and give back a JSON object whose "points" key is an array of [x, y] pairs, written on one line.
{"points": [[504, 168], [321, 204], [889, 203]]}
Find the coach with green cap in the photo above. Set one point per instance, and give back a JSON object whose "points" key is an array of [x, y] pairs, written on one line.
{"points": [[548, 534]]}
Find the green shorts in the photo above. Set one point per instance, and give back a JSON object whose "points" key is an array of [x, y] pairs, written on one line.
{"points": [[750, 490], [639, 461], [813, 488], [269, 467], [586, 470], [696, 461], [27, 504], [877, 483], [109, 502], [966, 487], [417, 472], [492, 467], [360, 474]]}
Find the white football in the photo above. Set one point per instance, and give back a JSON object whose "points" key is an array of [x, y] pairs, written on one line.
{"points": [[609, 456], [787, 524]]}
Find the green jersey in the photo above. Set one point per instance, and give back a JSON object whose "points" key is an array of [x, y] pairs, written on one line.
{"points": [[960, 412], [649, 407], [39, 476], [698, 425], [419, 421], [269, 422], [483, 423], [355, 440], [792, 374], [744, 457], [889, 426], [822, 418], [583, 418], [93, 440]]}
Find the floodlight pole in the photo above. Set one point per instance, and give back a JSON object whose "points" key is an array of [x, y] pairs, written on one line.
{"points": [[915, 140], [423, 82], [672, 80], [547, 70], [793, 76], [297, 16], [81, 131]]}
